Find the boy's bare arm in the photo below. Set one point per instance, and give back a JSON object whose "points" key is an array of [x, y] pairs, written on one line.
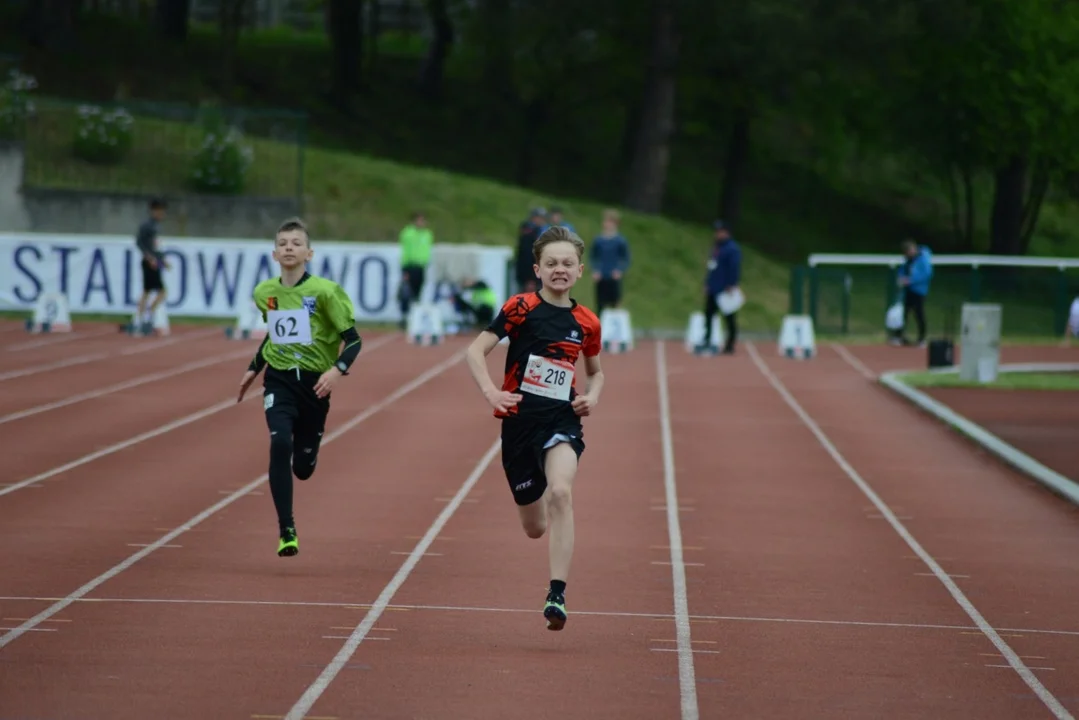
{"points": [[476, 356]]}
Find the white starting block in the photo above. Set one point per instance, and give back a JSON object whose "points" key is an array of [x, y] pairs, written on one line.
{"points": [[249, 324], [695, 334], [796, 337], [159, 325], [51, 314], [617, 331], [425, 325]]}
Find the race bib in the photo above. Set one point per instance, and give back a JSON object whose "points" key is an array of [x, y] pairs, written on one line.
{"points": [[289, 327], [548, 378]]}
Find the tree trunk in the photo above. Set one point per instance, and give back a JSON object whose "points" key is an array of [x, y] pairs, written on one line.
{"points": [[651, 154], [535, 116], [735, 169], [50, 24], [433, 72], [230, 21], [1006, 224], [171, 19], [345, 21]]}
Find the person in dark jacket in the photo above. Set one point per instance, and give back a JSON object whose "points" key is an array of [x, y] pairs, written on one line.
{"points": [[724, 274], [609, 257], [527, 234]]}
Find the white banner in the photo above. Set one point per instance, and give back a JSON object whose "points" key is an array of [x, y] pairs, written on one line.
{"points": [[211, 277]]}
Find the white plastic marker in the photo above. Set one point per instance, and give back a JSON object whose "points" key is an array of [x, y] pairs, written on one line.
{"points": [[687, 678], [167, 538], [344, 655], [158, 431], [1010, 655], [127, 385]]}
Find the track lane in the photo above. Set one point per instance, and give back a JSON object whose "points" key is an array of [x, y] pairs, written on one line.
{"points": [[1009, 545], [780, 532], [348, 516], [487, 664]]}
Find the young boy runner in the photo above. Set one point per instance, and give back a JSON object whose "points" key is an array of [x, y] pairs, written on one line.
{"points": [[540, 408], [307, 318]]}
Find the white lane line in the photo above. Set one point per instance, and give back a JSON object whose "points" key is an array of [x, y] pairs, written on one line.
{"points": [[1051, 702], [156, 432], [126, 385], [56, 339], [503, 610], [94, 357], [686, 675], [77, 360], [315, 690], [167, 538], [853, 361]]}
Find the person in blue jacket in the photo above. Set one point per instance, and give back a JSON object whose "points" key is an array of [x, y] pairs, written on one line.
{"points": [[914, 277], [724, 273], [609, 258]]}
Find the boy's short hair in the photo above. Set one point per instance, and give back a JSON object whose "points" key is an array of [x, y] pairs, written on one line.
{"points": [[294, 223], [612, 215], [158, 204], [908, 245], [553, 234]]}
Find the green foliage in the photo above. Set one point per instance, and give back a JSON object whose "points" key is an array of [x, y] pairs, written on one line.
{"points": [[223, 160], [102, 136], [15, 104]]}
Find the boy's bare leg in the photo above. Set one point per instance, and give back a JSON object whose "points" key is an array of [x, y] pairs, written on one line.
{"points": [[534, 516], [561, 468]]}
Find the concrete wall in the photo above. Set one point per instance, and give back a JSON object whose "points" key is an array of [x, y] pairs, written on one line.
{"points": [[69, 211]]}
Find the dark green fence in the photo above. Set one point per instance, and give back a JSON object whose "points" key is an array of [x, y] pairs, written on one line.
{"points": [[848, 298], [170, 149]]}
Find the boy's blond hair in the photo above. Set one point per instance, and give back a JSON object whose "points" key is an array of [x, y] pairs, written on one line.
{"points": [[555, 234], [612, 215], [295, 223]]}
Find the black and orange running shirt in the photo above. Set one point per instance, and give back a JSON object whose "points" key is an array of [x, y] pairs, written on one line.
{"points": [[545, 342]]}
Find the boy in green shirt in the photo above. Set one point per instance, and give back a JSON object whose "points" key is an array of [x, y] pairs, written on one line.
{"points": [[307, 319]]}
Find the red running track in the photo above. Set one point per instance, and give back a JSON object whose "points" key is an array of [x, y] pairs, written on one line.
{"points": [[800, 596]]}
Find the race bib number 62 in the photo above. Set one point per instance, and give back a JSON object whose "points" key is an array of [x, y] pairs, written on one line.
{"points": [[548, 378], [289, 327]]}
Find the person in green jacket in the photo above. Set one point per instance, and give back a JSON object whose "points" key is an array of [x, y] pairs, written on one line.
{"points": [[416, 240]]}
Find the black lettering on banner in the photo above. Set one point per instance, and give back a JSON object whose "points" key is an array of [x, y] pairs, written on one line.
{"points": [[279, 327]]}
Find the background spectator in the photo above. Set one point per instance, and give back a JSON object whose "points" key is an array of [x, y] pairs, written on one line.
{"points": [[416, 240], [914, 277], [527, 233], [724, 274], [610, 259]]}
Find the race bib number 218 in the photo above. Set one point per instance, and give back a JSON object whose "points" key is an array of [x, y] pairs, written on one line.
{"points": [[289, 327], [548, 378]]}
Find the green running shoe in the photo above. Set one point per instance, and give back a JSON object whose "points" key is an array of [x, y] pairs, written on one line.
{"points": [[288, 545], [555, 611]]}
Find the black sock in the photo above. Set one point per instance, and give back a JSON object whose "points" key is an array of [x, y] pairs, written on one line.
{"points": [[281, 478], [558, 587]]}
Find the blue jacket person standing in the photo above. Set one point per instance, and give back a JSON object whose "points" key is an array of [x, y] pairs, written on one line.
{"points": [[724, 273], [914, 277], [610, 260]]}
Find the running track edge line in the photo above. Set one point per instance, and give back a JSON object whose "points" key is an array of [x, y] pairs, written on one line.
{"points": [[344, 655], [1024, 672], [1056, 482], [687, 680], [48, 612]]}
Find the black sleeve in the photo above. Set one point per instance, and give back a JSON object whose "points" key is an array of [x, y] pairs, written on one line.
{"points": [[258, 362], [353, 343]]}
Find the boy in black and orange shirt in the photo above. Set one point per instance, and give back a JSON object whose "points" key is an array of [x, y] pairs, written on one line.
{"points": [[540, 408]]}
